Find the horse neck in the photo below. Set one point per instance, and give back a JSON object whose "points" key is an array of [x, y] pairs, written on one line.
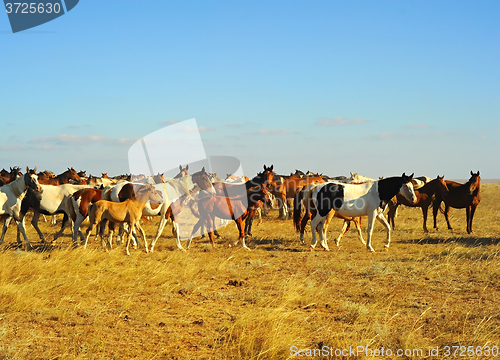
{"points": [[62, 178], [182, 185], [430, 188], [17, 186], [141, 200], [388, 188]]}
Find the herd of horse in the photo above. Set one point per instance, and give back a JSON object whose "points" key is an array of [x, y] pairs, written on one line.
{"points": [[305, 197]]}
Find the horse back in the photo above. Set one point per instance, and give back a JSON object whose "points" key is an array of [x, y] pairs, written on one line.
{"points": [[459, 195]]}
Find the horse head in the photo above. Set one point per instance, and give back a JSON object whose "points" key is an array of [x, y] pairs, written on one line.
{"points": [[203, 180], [270, 168], [443, 188], [182, 172], [31, 179], [474, 182], [407, 188]]}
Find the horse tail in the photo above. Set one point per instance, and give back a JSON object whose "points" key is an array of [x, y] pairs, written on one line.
{"points": [[433, 203], [193, 210], [441, 208], [297, 208]]}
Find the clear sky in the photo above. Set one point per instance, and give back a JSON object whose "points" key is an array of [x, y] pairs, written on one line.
{"points": [[374, 87]]}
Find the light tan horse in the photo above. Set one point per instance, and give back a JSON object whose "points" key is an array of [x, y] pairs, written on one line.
{"points": [[129, 211]]}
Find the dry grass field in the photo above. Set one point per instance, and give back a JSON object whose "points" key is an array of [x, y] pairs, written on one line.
{"points": [[427, 291]]}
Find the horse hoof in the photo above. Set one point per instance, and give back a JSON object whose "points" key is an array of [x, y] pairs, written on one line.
{"points": [[53, 243]]}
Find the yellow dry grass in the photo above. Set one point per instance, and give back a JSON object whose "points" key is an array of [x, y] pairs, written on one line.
{"points": [[427, 291]]}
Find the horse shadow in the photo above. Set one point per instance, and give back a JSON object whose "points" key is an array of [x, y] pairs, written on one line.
{"points": [[465, 241]]}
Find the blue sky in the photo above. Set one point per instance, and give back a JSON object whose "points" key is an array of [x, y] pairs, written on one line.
{"points": [[374, 87]]}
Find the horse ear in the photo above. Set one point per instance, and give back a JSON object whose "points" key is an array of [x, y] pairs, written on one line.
{"points": [[411, 176], [264, 167], [271, 168], [478, 173], [27, 169], [471, 173], [187, 167], [34, 170], [404, 175], [203, 169]]}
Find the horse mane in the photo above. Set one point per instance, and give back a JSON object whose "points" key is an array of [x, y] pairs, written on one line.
{"points": [[389, 187], [181, 185]]}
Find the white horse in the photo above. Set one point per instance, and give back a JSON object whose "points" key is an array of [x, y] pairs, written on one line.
{"points": [[52, 199], [11, 196], [350, 200]]}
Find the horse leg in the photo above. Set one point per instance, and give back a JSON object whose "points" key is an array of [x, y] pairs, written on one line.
{"points": [[322, 234], [101, 227], [259, 213], [20, 226], [391, 214], [472, 211], [425, 209], [216, 233], [161, 226], [239, 224], [303, 225], [175, 226], [447, 216], [467, 212], [196, 227], [435, 208], [34, 222], [383, 221], [283, 209], [143, 234], [345, 228], [76, 229], [371, 222], [248, 226], [63, 226], [4, 229], [314, 223], [357, 223], [135, 239], [209, 227]]}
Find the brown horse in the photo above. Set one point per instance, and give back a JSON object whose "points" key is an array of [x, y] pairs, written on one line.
{"points": [[266, 177], [303, 199], [425, 196], [227, 207], [129, 211], [460, 196], [7, 177], [290, 185], [67, 177]]}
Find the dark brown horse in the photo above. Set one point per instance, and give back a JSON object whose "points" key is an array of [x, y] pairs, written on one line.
{"points": [[237, 208], [425, 196], [460, 196], [7, 177], [266, 177], [67, 177]]}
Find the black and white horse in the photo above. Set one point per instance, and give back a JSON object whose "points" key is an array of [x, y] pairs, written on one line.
{"points": [[369, 198]]}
